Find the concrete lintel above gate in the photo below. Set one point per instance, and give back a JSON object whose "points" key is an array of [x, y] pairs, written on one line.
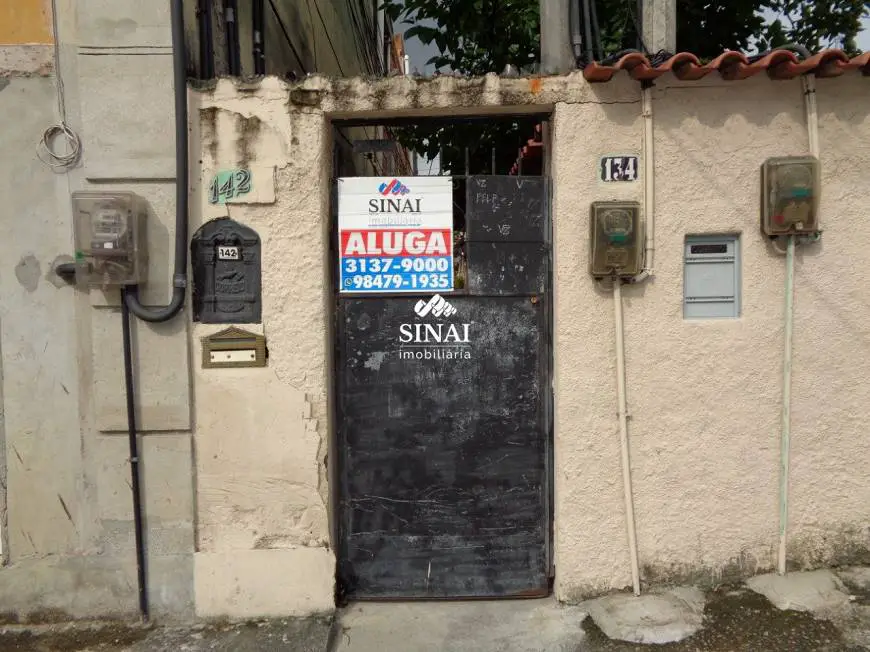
{"points": [[455, 96], [400, 97]]}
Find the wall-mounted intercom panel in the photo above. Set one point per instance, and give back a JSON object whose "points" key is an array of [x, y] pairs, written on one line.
{"points": [[790, 195], [110, 240], [615, 239]]}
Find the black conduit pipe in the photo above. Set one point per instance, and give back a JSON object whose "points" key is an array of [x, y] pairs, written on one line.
{"points": [[206, 41], [576, 37], [130, 296], [610, 59], [638, 27], [587, 29], [134, 459], [596, 31], [259, 31], [792, 47], [231, 23], [182, 177]]}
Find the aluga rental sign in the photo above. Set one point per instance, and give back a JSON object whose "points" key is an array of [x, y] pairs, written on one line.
{"points": [[395, 234]]}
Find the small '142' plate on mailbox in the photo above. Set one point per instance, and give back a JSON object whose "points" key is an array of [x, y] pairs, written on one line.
{"points": [[228, 253]]}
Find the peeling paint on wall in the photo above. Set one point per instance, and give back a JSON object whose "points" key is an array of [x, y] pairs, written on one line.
{"points": [[248, 131], [208, 130], [27, 271], [238, 138], [724, 524], [26, 60]]}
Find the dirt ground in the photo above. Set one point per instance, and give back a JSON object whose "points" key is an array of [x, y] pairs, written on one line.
{"points": [[738, 620], [299, 635], [735, 620]]}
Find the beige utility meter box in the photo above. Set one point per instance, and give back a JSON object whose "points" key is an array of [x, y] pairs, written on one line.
{"points": [[109, 238], [615, 238], [790, 196]]}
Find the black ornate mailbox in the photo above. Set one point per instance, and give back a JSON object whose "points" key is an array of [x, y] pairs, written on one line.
{"points": [[226, 273]]}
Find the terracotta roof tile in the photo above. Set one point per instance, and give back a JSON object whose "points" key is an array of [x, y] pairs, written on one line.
{"points": [[731, 65], [531, 155], [862, 61]]}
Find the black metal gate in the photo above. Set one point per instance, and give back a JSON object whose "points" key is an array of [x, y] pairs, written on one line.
{"points": [[444, 417]]}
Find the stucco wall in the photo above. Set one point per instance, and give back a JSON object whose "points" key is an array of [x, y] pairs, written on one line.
{"points": [[590, 538], [704, 396], [830, 485], [262, 434]]}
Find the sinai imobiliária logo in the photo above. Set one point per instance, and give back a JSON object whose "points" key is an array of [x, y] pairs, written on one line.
{"points": [[437, 305], [394, 187], [438, 341]]}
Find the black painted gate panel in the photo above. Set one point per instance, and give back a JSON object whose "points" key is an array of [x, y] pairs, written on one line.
{"points": [[443, 446]]}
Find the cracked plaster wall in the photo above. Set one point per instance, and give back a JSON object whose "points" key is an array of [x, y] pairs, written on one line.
{"points": [[261, 434], [25, 39], [704, 397]]}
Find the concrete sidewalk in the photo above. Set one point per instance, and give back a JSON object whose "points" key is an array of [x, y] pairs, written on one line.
{"points": [[801, 612], [820, 611], [474, 626], [734, 620]]}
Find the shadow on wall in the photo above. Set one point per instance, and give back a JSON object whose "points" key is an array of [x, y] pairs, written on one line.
{"points": [[759, 101]]}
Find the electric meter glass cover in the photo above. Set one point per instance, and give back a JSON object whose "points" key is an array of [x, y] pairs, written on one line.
{"points": [[109, 238], [790, 195], [615, 237]]}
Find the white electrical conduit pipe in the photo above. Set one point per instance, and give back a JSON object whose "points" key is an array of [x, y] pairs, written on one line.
{"points": [[646, 272], [649, 187], [622, 413], [649, 213], [785, 439], [809, 89]]}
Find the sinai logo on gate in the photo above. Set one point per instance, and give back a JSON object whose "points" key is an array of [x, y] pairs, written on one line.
{"points": [[437, 305], [394, 187], [438, 341]]}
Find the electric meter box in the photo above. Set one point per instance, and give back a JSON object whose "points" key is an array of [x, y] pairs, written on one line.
{"points": [[790, 196], [109, 238], [615, 238]]}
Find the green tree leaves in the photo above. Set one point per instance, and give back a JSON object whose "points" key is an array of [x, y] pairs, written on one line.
{"points": [[476, 37], [473, 36], [816, 24]]}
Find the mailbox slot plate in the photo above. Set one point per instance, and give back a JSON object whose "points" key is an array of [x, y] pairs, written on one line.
{"points": [[233, 348]]}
